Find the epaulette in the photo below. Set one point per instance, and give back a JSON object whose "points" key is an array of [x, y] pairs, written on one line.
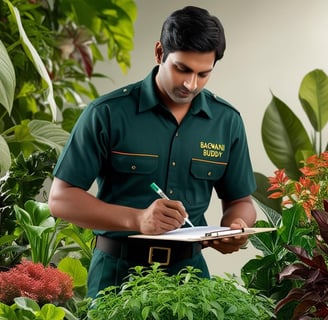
{"points": [[117, 93], [123, 91], [216, 98]]}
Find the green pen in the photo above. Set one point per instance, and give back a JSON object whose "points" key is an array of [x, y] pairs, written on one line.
{"points": [[160, 192]]}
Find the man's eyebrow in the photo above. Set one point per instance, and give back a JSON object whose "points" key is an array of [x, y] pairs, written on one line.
{"points": [[181, 64]]}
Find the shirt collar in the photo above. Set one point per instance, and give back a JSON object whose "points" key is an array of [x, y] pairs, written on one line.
{"points": [[149, 98]]}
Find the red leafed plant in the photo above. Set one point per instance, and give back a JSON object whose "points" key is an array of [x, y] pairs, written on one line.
{"points": [[35, 281], [311, 188], [312, 272]]}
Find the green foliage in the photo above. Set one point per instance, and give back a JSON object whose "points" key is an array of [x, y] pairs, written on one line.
{"points": [[288, 145], [75, 269], [25, 308], [47, 236], [152, 294], [47, 56], [23, 182], [48, 51], [299, 200], [309, 299], [40, 229], [284, 137], [261, 272]]}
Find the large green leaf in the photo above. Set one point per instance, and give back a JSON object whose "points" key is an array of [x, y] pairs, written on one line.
{"points": [[35, 59], [7, 79], [39, 212], [284, 137], [75, 269], [30, 136], [7, 312], [48, 133], [313, 95], [5, 160]]}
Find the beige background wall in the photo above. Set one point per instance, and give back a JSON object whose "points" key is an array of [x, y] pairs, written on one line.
{"points": [[271, 45]]}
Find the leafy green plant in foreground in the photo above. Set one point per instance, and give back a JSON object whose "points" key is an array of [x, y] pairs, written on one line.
{"points": [[26, 308], [152, 294]]}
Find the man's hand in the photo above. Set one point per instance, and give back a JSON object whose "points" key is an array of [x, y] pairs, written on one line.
{"points": [[162, 216], [229, 244]]}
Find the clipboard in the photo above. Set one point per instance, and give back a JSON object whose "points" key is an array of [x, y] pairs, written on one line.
{"points": [[202, 233]]}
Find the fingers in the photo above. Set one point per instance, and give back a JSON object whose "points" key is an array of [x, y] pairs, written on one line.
{"points": [[227, 245], [162, 216]]}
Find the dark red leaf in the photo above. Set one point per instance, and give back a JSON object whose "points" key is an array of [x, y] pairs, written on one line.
{"points": [[325, 205], [321, 218], [316, 262], [294, 294], [294, 271], [323, 247]]}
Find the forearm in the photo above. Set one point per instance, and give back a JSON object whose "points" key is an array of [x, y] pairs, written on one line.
{"points": [[83, 209], [239, 209]]}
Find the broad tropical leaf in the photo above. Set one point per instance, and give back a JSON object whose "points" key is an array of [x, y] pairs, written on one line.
{"points": [[35, 58], [313, 95], [48, 133], [7, 79], [284, 137], [36, 135], [5, 160]]}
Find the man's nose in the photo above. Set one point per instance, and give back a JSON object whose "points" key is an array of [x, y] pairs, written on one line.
{"points": [[191, 82]]}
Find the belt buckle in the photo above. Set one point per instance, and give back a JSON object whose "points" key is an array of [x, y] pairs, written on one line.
{"points": [[168, 255]]}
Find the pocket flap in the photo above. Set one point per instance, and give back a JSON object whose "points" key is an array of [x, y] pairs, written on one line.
{"points": [[134, 163]]}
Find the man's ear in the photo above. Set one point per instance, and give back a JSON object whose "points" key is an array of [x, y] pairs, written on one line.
{"points": [[158, 52]]}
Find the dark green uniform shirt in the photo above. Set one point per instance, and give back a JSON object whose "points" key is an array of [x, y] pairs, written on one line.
{"points": [[127, 139]]}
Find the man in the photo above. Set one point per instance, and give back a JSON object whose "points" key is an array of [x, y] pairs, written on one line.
{"points": [[165, 129]]}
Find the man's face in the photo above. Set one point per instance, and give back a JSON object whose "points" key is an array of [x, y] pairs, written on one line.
{"points": [[183, 75]]}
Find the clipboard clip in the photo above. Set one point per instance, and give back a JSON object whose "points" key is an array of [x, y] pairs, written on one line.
{"points": [[223, 233]]}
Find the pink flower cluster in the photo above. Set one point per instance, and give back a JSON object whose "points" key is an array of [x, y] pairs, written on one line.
{"points": [[35, 281]]}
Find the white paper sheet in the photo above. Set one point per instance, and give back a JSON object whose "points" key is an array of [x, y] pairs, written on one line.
{"points": [[202, 233]]}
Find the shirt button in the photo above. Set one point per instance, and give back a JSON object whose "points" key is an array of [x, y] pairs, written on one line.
{"points": [[133, 167], [173, 163], [125, 90], [171, 191], [209, 173]]}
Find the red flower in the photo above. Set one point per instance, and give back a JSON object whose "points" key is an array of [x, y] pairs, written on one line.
{"points": [[35, 281], [279, 180], [309, 190]]}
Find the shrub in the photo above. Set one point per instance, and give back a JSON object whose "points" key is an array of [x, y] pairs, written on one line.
{"points": [[37, 282], [152, 294]]}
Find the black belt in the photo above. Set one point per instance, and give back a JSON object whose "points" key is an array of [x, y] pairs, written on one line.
{"points": [[145, 252]]}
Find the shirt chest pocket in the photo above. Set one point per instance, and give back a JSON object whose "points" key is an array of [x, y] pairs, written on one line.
{"points": [[203, 176], [131, 163], [206, 170]]}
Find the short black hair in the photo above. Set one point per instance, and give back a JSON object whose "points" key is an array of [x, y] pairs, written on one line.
{"points": [[192, 29]]}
